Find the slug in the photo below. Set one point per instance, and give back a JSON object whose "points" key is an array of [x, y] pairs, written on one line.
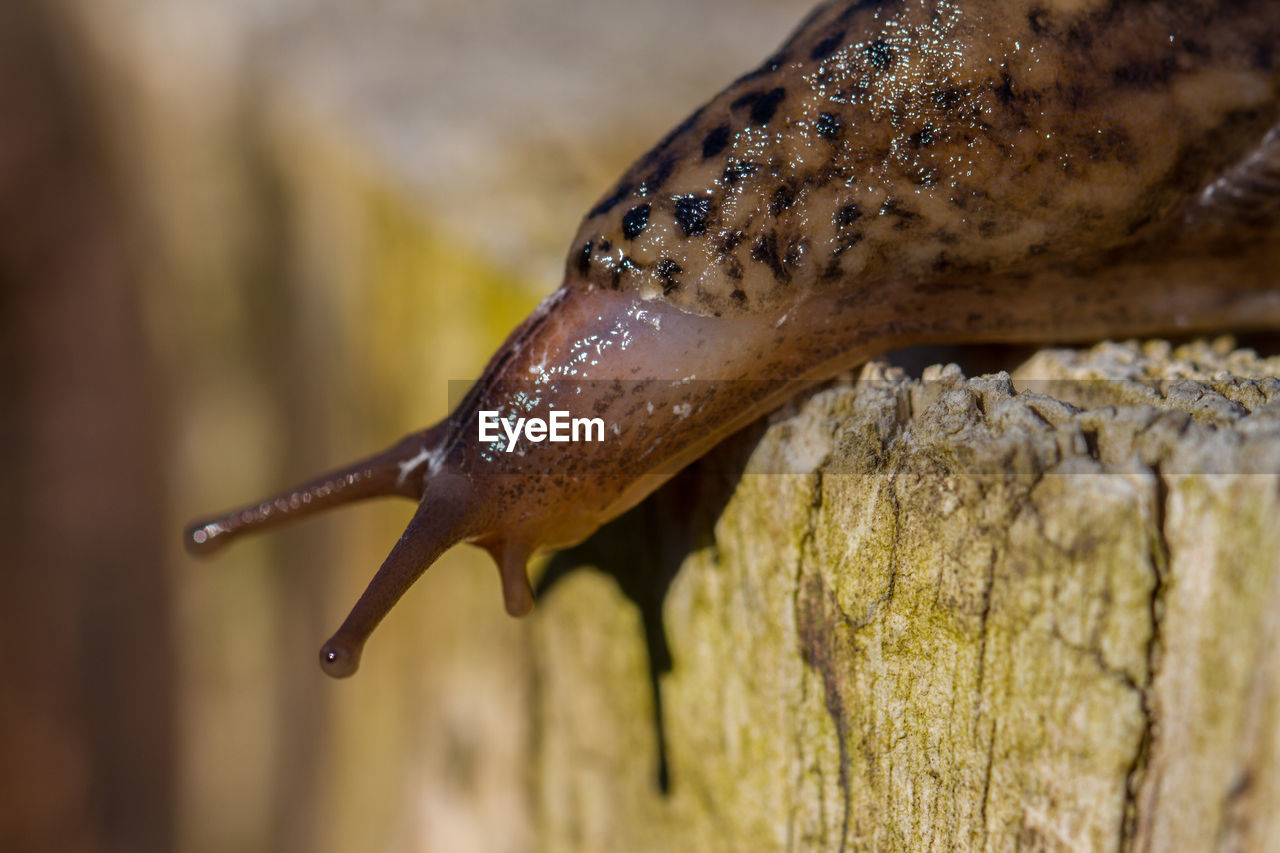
{"points": [[898, 172]]}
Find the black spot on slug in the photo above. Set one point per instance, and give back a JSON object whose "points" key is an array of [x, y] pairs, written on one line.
{"points": [[828, 125], [795, 252], [944, 237], [827, 46], [893, 207], [691, 214], [848, 241], [827, 172], [922, 137], [584, 258], [924, 177], [765, 251], [1004, 89], [611, 201], [625, 265], [1038, 20], [654, 182], [952, 267], [847, 215], [732, 240], [783, 197], [667, 270], [635, 221], [735, 172], [946, 99], [879, 54], [715, 141], [738, 296], [763, 110]]}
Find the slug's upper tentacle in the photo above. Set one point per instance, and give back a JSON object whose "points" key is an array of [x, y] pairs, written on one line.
{"points": [[899, 172], [395, 471]]}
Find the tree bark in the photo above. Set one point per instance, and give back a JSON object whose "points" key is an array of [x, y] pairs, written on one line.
{"points": [[943, 614]]}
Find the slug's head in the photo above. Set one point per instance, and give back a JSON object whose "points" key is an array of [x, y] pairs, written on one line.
{"points": [[451, 509]]}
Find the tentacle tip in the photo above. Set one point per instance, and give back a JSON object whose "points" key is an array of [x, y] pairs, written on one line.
{"points": [[339, 661], [520, 605], [201, 537]]}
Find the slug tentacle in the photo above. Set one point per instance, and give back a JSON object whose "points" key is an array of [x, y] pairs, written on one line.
{"points": [[398, 470], [512, 559], [446, 516]]}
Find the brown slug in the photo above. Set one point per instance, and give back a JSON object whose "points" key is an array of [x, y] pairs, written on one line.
{"points": [[898, 172]]}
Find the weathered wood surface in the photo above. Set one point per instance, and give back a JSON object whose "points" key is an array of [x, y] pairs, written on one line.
{"points": [[951, 615]]}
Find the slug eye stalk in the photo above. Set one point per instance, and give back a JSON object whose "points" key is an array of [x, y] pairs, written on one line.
{"points": [[380, 475], [446, 515]]}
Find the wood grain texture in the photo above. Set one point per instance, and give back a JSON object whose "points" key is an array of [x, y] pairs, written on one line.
{"points": [[952, 615]]}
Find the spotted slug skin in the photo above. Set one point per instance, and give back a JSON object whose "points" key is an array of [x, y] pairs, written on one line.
{"points": [[896, 173]]}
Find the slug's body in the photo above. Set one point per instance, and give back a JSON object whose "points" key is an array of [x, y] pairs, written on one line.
{"points": [[897, 173]]}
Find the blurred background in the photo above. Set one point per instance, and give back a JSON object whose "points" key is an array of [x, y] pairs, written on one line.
{"points": [[242, 242]]}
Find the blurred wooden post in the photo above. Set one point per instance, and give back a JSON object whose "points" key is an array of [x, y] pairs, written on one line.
{"points": [[87, 702]]}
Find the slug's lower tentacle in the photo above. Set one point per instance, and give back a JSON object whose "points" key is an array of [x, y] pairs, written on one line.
{"points": [[399, 470], [446, 516], [513, 562]]}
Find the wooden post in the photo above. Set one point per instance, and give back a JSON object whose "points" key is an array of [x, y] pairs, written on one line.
{"points": [[945, 614]]}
